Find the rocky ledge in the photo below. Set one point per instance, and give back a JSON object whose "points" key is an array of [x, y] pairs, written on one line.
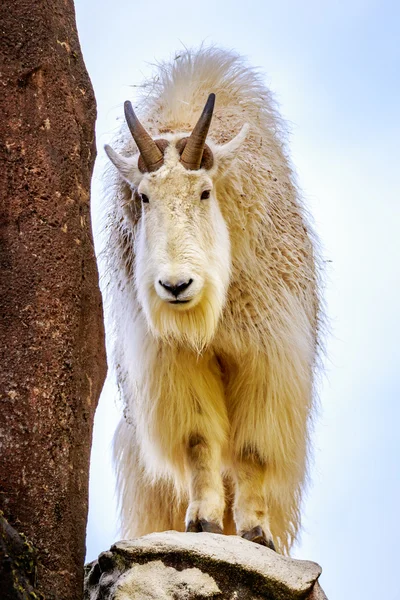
{"points": [[186, 566]]}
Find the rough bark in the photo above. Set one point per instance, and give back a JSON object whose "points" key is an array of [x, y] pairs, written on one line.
{"points": [[51, 338]]}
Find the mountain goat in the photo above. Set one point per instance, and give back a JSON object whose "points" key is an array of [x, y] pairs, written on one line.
{"points": [[213, 297]]}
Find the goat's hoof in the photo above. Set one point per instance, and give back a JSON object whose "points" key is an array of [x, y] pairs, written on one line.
{"points": [[258, 536], [203, 525]]}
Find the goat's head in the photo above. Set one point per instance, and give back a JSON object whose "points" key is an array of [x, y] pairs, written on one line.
{"points": [[182, 249]]}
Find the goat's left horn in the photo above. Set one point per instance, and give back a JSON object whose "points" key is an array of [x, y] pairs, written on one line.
{"points": [[149, 151], [193, 151]]}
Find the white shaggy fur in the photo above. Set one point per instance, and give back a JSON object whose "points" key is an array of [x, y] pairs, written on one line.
{"points": [[218, 392]]}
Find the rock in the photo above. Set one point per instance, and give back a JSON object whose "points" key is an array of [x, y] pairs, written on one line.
{"points": [[52, 351], [186, 566], [18, 563]]}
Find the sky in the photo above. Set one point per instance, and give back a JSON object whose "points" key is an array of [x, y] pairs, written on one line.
{"points": [[335, 70]]}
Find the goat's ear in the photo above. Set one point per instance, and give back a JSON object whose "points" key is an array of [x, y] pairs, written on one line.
{"points": [[127, 166], [224, 155]]}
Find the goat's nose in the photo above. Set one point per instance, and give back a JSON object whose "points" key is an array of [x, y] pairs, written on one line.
{"points": [[176, 288]]}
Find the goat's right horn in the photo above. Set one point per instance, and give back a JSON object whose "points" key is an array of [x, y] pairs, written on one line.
{"points": [[152, 156], [193, 151]]}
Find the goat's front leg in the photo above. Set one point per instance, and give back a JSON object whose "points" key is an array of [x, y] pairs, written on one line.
{"points": [[207, 501], [250, 509]]}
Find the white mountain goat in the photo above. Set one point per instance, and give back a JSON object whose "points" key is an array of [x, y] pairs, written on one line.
{"points": [[214, 302]]}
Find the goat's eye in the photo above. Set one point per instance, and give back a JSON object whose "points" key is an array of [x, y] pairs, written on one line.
{"points": [[205, 195], [144, 198]]}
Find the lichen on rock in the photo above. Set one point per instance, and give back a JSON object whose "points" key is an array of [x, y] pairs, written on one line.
{"points": [[18, 563]]}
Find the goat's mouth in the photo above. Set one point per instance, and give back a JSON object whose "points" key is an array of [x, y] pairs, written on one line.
{"points": [[179, 301]]}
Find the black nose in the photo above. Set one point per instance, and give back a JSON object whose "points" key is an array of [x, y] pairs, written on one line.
{"points": [[177, 289]]}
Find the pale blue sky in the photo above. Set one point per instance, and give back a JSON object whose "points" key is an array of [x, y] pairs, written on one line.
{"points": [[335, 70]]}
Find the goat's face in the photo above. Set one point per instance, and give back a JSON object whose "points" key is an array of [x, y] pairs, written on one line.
{"points": [[182, 249], [182, 254]]}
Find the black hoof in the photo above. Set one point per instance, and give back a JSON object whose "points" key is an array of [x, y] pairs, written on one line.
{"points": [[203, 525], [193, 527], [257, 536]]}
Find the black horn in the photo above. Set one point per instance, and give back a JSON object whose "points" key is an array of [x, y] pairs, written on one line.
{"points": [[151, 154], [193, 151]]}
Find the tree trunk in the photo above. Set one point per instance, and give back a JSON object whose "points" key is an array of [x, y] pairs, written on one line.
{"points": [[51, 339]]}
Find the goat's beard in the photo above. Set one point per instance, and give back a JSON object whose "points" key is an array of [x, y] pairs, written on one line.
{"points": [[193, 327]]}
